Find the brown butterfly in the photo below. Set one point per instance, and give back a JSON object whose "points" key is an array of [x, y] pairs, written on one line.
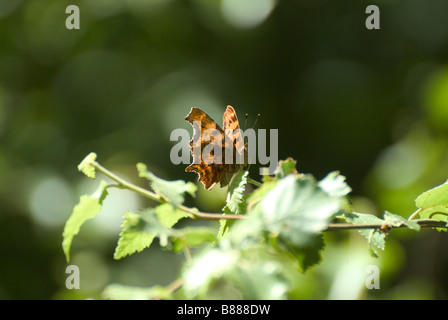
{"points": [[211, 168]]}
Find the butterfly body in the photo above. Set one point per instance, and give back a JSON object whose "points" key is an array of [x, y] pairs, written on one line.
{"points": [[213, 167]]}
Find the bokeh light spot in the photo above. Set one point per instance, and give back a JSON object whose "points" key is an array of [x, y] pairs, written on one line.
{"points": [[51, 202], [247, 13]]}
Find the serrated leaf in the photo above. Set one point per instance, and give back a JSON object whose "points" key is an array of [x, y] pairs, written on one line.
{"points": [[219, 268], [297, 209], [374, 236], [286, 167], [201, 272], [434, 201], [132, 237], [247, 232], [152, 225], [87, 208], [434, 196], [169, 216], [140, 229], [395, 220], [193, 237], [255, 197], [86, 165], [224, 224], [235, 201], [309, 255], [121, 292], [171, 191], [247, 278], [334, 184]]}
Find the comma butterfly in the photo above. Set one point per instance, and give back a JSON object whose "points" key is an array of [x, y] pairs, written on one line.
{"points": [[216, 167]]}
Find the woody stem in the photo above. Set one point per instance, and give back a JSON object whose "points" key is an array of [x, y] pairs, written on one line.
{"points": [[193, 213], [125, 184], [423, 223], [254, 182]]}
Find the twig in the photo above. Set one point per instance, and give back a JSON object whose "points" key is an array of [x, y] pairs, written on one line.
{"points": [[423, 223], [125, 184], [412, 216], [175, 285], [210, 216], [172, 287], [254, 182], [195, 214]]}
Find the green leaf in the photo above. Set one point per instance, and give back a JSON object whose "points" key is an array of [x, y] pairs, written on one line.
{"points": [[224, 225], [297, 209], [260, 280], [246, 233], [140, 229], [235, 202], [334, 184], [86, 165], [201, 272], [434, 203], [171, 191], [374, 237], [169, 216], [121, 292], [87, 208], [394, 220], [254, 198], [132, 237], [225, 274], [193, 237], [152, 225], [309, 255], [286, 167]]}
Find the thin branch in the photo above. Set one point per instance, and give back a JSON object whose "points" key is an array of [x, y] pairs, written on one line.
{"points": [[412, 216], [423, 223], [195, 214], [210, 216], [254, 182], [175, 285], [127, 185], [172, 287]]}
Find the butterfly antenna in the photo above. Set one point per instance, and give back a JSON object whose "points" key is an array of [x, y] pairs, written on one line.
{"points": [[245, 121], [256, 120]]}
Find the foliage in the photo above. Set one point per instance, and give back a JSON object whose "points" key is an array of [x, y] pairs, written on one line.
{"points": [[87, 208], [283, 219], [434, 203]]}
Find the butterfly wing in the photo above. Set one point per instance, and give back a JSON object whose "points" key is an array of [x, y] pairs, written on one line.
{"points": [[231, 128], [209, 173], [208, 170], [234, 137]]}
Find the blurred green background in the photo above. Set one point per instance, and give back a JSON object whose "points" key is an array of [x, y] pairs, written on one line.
{"points": [[370, 103]]}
